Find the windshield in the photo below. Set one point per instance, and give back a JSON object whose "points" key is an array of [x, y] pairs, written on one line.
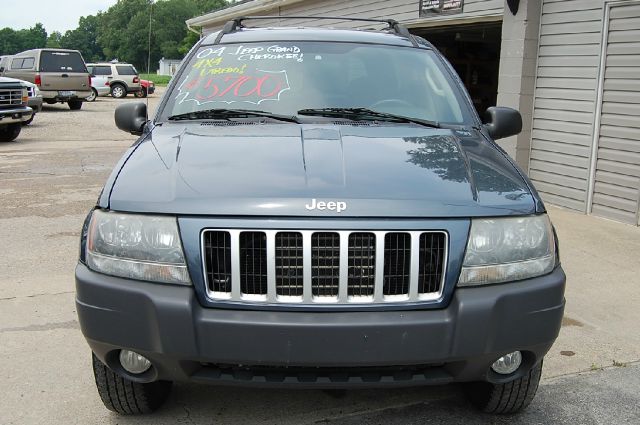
{"points": [[284, 78]]}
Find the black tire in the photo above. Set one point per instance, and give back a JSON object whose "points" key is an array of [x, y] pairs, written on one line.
{"points": [[75, 105], [10, 132], [126, 397], [50, 101], [506, 398], [30, 120], [93, 96], [118, 91], [142, 92]]}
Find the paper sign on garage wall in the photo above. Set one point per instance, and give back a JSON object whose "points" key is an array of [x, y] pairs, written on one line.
{"points": [[440, 7]]}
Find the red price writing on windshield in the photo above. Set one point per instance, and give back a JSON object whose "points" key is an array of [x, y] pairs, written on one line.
{"points": [[267, 85]]}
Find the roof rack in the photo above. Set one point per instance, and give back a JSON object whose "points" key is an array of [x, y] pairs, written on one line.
{"points": [[236, 23]]}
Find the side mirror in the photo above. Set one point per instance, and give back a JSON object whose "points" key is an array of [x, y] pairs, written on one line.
{"points": [[131, 117], [1, 68], [503, 122]]}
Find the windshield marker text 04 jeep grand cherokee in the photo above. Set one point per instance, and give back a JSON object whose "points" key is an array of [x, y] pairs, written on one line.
{"points": [[318, 208]]}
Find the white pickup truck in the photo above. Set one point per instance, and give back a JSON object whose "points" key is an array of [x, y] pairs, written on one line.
{"points": [[13, 108]]}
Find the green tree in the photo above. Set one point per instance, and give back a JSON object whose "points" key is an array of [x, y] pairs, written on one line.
{"points": [[84, 38], [8, 42], [12, 42], [123, 32], [202, 7], [33, 38], [53, 42], [119, 27]]}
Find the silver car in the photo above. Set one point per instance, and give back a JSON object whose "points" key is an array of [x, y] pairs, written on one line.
{"points": [[35, 100], [99, 87], [122, 77]]}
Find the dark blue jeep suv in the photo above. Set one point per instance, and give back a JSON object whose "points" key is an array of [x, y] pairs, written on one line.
{"points": [[318, 208]]}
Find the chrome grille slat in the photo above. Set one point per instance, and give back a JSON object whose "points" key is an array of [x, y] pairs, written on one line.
{"points": [[431, 258], [289, 271], [253, 263], [316, 267], [325, 264], [397, 262], [218, 246], [10, 97], [362, 264]]}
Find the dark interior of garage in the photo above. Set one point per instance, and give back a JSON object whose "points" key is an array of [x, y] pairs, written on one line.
{"points": [[474, 51]]}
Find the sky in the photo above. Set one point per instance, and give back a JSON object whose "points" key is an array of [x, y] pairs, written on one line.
{"points": [[55, 15]]}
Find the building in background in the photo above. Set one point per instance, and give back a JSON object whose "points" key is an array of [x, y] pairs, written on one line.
{"points": [[168, 66], [572, 68]]}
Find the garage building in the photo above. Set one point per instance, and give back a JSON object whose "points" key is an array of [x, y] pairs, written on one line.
{"points": [[572, 68]]}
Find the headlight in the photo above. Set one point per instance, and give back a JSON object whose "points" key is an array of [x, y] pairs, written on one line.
{"points": [[508, 249], [137, 247]]}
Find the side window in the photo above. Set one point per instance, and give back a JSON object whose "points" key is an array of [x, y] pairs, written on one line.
{"points": [[28, 63], [17, 63], [100, 70], [126, 70]]}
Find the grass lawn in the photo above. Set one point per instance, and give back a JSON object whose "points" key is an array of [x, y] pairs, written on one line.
{"points": [[159, 80]]}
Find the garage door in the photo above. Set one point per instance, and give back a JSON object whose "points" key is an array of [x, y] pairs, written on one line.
{"points": [[616, 189]]}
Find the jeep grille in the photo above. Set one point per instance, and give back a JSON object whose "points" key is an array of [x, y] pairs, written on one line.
{"points": [[315, 267]]}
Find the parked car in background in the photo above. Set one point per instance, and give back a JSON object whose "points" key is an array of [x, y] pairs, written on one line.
{"points": [[99, 87], [123, 78], [13, 108], [35, 100], [148, 88], [60, 74]]}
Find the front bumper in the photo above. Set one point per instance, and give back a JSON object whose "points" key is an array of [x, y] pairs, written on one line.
{"points": [[15, 115], [187, 342]]}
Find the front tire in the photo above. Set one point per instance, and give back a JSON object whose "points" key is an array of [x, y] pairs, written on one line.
{"points": [[142, 92], [30, 120], [92, 97], [118, 91], [126, 397], [510, 397], [10, 132], [75, 105]]}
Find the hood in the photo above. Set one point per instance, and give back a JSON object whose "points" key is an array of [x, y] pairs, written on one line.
{"points": [[7, 80], [363, 170]]}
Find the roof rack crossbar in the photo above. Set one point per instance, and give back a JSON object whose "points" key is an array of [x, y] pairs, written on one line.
{"points": [[236, 23]]}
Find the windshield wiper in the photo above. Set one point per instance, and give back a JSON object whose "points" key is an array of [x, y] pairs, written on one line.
{"points": [[231, 113], [366, 114]]}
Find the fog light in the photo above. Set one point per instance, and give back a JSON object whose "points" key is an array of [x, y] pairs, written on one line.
{"points": [[508, 363], [133, 362]]}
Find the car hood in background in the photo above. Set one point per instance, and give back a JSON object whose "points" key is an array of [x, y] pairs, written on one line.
{"points": [[278, 169]]}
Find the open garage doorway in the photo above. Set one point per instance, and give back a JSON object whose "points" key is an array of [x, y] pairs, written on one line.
{"points": [[474, 52]]}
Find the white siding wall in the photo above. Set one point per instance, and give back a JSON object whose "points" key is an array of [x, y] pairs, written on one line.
{"points": [[616, 191], [405, 11], [565, 100]]}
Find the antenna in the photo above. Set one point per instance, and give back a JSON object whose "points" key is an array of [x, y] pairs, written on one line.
{"points": [[149, 51]]}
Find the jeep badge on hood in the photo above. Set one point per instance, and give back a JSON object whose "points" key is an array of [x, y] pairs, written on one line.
{"points": [[331, 205]]}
